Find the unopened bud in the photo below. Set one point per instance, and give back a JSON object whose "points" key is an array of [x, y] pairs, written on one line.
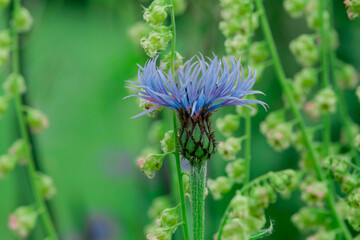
{"points": [[160, 234], [46, 186], [37, 120], [236, 170], [258, 52], [23, 221], [354, 218], [235, 229], [295, 8], [306, 79], [158, 205], [325, 101], [236, 45], [280, 136], [5, 39], [230, 148], [14, 84], [261, 197], [4, 56], [7, 164], [272, 119], [168, 143], [18, 150], [228, 124], [313, 19], [311, 111], [305, 50], [155, 14], [169, 217], [23, 20], [348, 183], [352, 8], [3, 105], [347, 76], [354, 198], [219, 186], [150, 164]]}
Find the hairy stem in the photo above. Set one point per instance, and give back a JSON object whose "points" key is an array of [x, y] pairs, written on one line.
{"points": [[197, 184], [177, 155], [39, 201], [296, 112]]}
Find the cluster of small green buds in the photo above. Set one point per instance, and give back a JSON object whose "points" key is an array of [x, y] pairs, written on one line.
{"points": [[347, 76], [157, 40], [228, 124], [156, 13], [354, 218], [352, 8], [298, 94], [167, 59], [4, 104], [23, 20], [284, 181], [138, 31], [5, 41], [46, 185], [157, 131], [325, 101], [354, 198], [219, 186], [323, 235], [235, 45], [313, 192], [168, 143], [259, 197], [7, 164], [159, 234], [298, 141], [357, 142], [4, 4], [36, 120], [186, 184], [349, 182], [271, 120], [311, 111], [236, 170], [14, 84], [295, 8], [230, 148], [306, 79], [313, 19], [151, 163], [258, 53], [23, 221], [145, 105], [18, 150], [358, 92], [337, 166], [235, 229], [158, 205], [305, 50], [311, 218], [280, 136], [168, 217]]}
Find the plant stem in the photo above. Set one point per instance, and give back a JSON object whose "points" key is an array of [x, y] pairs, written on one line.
{"points": [[296, 112], [177, 155], [197, 184], [40, 203]]}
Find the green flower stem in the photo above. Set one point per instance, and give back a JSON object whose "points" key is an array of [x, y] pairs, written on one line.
{"points": [[325, 76], [177, 155], [290, 97], [197, 185], [40, 203]]}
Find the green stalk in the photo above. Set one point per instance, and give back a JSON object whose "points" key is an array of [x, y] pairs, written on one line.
{"points": [[177, 155], [325, 77], [39, 201], [296, 112], [197, 184]]}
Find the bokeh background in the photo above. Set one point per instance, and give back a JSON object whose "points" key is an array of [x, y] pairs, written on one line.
{"points": [[75, 61]]}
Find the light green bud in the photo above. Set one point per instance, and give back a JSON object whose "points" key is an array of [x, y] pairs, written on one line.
{"points": [[354, 218], [258, 52], [18, 150], [352, 8], [235, 229], [236, 170], [186, 183], [4, 104], [4, 56], [348, 183], [354, 198], [295, 8], [313, 20], [4, 4], [150, 164], [298, 141], [156, 131], [325, 101], [168, 143], [5, 39], [342, 208], [156, 40], [219, 186], [236, 45], [155, 14], [179, 7], [229, 27], [240, 207], [271, 192], [23, 221], [305, 50], [323, 235], [14, 85], [160, 234], [36, 120], [280, 136], [311, 218], [260, 196], [228, 124], [138, 31], [314, 193], [158, 205], [357, 142], [271, 120], [229, 148], [46, 185], [23, 20], [306, 79], [347, 76], [169, 217], [339, 168], [7, 164]]}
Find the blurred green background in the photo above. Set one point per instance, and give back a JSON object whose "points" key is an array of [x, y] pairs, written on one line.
{"points": [[75, 61]]}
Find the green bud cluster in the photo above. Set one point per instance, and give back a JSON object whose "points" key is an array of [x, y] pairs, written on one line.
{"points": [[352, 8], [5, 42], [228, 124], [151, 163], [16, 154], [313, 192], [156, 40], [323, 235], [236, 170], [295, 8], [36, 120], [138, 31], [284, 182], [46, 185], [305, 50], [7, 164], [347, 76], [311, 218], [167, 59], [13, 85], [168, 143], [325, 101], [230, 148], [306, 79], [23, 221], [219, 186], [23, 20], [258, 53]]}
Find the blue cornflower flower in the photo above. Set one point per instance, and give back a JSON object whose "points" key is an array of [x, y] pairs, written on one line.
{"points": [[195, 91]]}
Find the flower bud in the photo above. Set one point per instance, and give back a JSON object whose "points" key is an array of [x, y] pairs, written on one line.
{"points": [[295, 8], [156, 131], [159, 234], [23, 20], [357, 142], [167, 59], [169, 217], [37, 120], [179, 7], [155, 14], [236, 45], [186, 183], [260, 195], [14, 85], [46, 185], [280, 136], [311, 218], [352, 8], [311, 111], [168, 143], [314, 193], [298, 141], [7, 164], [5, 39], [235, 229], [150, 164], [158, 205], [339, 168], [18, 150], [325, 101], [306, 79], [23, 221], [354, 198], [219, 186], [305, 50], [271, 192], [138, 31], [230, 148], [271, 120], [156, 40], [228, 124], [236, 170], [354, 218], [4, 56], [3, 105], [4, 4], [323, 235], [347, 76], [348, 183], [258, 52], [240, 207], [313, 20], [229, 27]]}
